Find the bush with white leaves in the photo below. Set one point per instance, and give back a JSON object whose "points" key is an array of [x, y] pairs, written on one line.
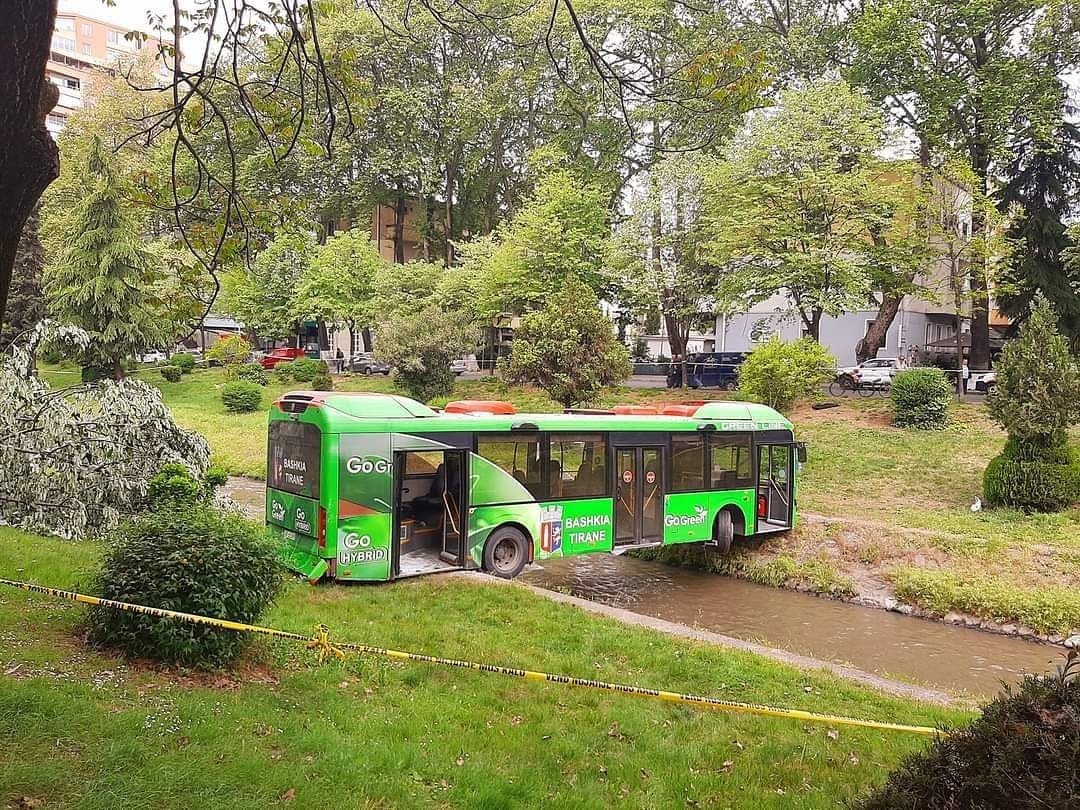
{"points": [[74, 460]]}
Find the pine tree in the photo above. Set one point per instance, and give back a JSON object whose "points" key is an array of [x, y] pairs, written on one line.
{"points": [[26, 302], [102, 278], [1043, 179]]}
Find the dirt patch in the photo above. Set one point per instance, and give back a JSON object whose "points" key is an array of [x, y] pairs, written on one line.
{"points": [[877, 417]]}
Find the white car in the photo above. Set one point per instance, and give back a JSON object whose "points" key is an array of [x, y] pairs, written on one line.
{"points": [[877, 371], [153, 357], [459, 366], [983, 381]]}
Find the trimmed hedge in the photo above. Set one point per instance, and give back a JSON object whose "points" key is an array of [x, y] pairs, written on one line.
{"points": [[171, 373], [241, 396], [1034, 475], [252, 372], [920, 398], [190, 558], [1021, 753], [304, 369], [183, 361], [322, 382]]}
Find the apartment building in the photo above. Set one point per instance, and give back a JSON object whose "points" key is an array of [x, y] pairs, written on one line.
{"points": [[81, 46]]}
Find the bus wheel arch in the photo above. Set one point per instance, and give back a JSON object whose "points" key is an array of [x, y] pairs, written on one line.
{"points": [[507, 550]]}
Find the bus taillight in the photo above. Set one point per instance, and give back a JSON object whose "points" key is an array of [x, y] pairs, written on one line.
{"points": [[762, 506], [322, 528]]}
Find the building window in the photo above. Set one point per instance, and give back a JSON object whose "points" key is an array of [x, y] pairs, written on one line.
{"points": [[729, 462], [88, 49], [87, 29], [64, 24], [63, 43], [518, 456], [761, 331], [577, 466], [357, 342], [71, 84], [113, 37], [884, 338], [55, 121], [687, 463]]}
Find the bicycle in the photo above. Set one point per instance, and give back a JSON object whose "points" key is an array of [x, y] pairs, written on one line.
{"points": [[841, 385]]}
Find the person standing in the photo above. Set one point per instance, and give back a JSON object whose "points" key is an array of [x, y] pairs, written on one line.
{"points": [[965, 375], [340, 356]]}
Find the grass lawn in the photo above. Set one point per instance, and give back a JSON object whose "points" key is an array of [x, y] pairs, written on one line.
{"points": [[82, 728]]}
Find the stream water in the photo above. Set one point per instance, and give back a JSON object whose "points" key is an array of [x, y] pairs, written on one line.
{"points": [[949, 657], [956, 659]]}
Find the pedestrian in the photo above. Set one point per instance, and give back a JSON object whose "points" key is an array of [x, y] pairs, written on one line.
{"points": [[965, 375], [340, 356], [914, 359]]}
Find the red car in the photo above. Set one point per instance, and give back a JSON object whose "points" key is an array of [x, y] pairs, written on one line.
{"points": [[284, 355]]}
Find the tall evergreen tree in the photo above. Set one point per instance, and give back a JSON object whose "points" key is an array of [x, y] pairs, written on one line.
{"points": [[26, 302], [1043, 181], [101, 280]]}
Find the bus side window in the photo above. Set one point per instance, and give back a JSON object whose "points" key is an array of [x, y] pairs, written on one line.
{"points": [[729, 461], [687, 462], [517, 456], [578, 466]]}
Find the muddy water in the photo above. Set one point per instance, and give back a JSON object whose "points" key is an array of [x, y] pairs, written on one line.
{"points": [[956, 659]]}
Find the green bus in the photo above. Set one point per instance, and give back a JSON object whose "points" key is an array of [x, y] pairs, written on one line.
{"points": [[374, 487]]}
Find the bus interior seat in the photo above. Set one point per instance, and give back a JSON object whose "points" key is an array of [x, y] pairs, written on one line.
{"points": [[428, 509], [555, 478]]}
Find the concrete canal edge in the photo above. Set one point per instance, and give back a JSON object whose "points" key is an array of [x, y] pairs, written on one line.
{"points": [[876, 682]]}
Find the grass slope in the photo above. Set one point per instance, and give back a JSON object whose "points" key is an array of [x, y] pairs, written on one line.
{"points": [[83, 729]]}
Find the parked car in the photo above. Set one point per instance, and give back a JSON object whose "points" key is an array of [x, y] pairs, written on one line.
{"points": [[365, 364], [153, 357], [983, 381], [282, 355], [715, 369], [459, 366], [878, 371]]}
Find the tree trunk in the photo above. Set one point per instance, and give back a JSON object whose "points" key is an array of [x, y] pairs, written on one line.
{"points": [[399, 224], [448, 225], [868, 346], [429, 227], [29, 160], [365, 335], [979, 354]]}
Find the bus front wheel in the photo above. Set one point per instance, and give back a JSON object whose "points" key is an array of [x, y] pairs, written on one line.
{"points": [[506, 552], [724, 533]]}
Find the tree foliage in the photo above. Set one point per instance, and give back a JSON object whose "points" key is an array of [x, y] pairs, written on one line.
{"points": [[561, 232], [73, 460], [262, 296], [798, 206], [102, 279], [1037, 394], [568, 348], [1042, 183]]}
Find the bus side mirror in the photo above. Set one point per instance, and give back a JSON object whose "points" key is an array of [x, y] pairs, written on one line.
{"points": [[800, 452]]}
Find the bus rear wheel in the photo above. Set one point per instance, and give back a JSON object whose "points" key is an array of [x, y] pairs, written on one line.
{"points": [[724, 533], [506, 552]]}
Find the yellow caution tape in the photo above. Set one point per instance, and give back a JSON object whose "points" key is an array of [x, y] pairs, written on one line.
{"points": [[320, 641]]}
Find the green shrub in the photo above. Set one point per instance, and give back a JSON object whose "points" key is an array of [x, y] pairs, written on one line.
{"points": [[171, 373], [230, 351], [920, 398], [192, 559], [175, 486], [780, 373], [305, 369], [1032, 485], [1020, 753], [183, 361], [322, 382], [283, 372], [51, 356], [252, 372], [241, 396]]}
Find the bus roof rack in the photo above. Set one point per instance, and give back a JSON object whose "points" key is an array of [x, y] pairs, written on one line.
{"points": [[492, 406]]}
